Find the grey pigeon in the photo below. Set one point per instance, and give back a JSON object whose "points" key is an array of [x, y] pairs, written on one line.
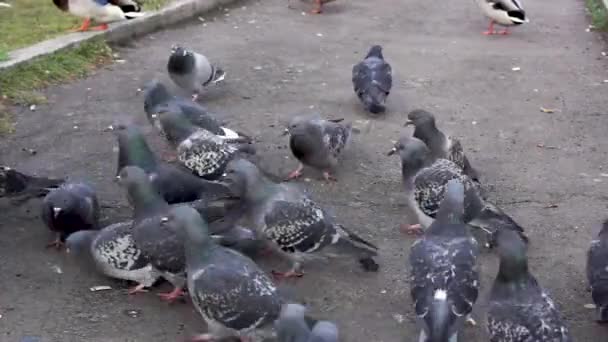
{"points": [[291, 326], [441, 146], [232, 294], [192, 71], [597, 272], [317, 142], [372, 80], [241, 239], [158, 99], [519, 310], [21, 187], [68, 209], [445, 276], [201, 151], [296, 226], [425, 180], [324, 331], [113, 252], [175, 183]]}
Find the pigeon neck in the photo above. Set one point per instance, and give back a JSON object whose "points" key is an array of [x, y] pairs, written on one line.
{"points": [[259, 189], [135, 151], [604, 230], [178, 130], [431, 136], [198, 248], [512, 269], [145, 200]]}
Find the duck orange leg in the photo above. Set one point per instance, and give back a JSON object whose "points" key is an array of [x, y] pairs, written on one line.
{"points": [[317, 8], [101, 27], [490, 30], [85, 26]]}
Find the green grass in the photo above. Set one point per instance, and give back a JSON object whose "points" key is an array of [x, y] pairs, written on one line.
{"points": [[599, 15], [3, 55]]}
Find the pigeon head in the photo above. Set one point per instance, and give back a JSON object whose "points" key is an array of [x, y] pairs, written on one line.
{"points": [[79, 243], [375, 51], [59, 201], [191, 223], [244, 179], [133, 148], [302, 123], [424, 126], [155, 93], [413, 152], [290, 325], [512, 250], [176, 125], [181, 60], [324, 331], [10, 181]]}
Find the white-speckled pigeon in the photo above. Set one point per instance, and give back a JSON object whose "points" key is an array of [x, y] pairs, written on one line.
{"points": [[445, 277], [175, 183], [229, 290], [192, 71], [597, 272], [425, 180], [68, 209], [201, 151], [372, 80], [317, 142], [519, 310], [441, 145], [158, 99], [114, 253], [21, 187], [297, 227]]}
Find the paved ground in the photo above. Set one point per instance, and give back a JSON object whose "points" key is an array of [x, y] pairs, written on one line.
{"points": [[281, 63]]}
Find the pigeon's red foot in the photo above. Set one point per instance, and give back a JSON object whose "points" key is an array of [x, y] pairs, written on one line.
{"points": [[490, 30], [202, 338], [140, 288], [295, 173], [57, 244], [328, 177], [278, 276], [173, 295], [411, 229]]}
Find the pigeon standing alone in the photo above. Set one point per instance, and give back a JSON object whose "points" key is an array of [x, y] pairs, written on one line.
{"points": [[372, 80], [22, 187], [519, 310], [192, 71], [597, 273], [296, 226], [503, 12], [441, 146], [317, 142], [445, 276], [102, 11], [113, 252], [232, 294], [201, 151], [68, 209]]}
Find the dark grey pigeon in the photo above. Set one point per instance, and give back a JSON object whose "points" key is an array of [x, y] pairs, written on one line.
{"points": [[175, 183], [68, 209], [201, 151], [241, 239], [372, 80], [519, 310], [445, 276], [157, 99], [296, 226], [425, 180], [21, 187], [597, 273], [324, 331], [441, 146], [232, 294], [113, 252], [192, 71], [317, 142], [291, 325]]}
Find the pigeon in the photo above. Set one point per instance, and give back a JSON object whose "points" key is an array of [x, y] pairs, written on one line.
{"points": [[441, 146], [425, 180], [113, 252], [597, 273], [204, 153], [294, 326], [317, 142], [502, 12], [519, 310], [295, 226], [372, 80], [192, 71], [445, 276], [241, 239], [175, 183], [68, 209], [21, 187], [232, 294], [324, 331], [158, 99], [101, 11]]}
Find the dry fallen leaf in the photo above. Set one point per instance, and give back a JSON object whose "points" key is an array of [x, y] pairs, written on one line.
{"points": [[547, 110], [551, 206], [548, 147]]}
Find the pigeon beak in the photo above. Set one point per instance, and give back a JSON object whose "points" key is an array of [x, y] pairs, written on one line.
{"points": [[392, 151], [285, 132], [56, 211], [117, 179], [409, 123]]}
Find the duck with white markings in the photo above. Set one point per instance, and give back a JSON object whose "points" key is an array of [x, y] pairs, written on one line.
{"points": [[502, 12], [101, 11]]}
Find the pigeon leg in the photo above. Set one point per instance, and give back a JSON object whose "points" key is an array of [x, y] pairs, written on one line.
{"points": [[101, 27], [328, 177], [411, 229], [137, 289], [490, 30], [202, 338], [173, 295], [471, 321], [84, 27], [278, 276], [57, 244], [317, 8], [295, 173]]}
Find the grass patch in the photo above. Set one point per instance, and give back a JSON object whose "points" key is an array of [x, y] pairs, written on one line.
{"points": [[3, 55], [599, 15]]}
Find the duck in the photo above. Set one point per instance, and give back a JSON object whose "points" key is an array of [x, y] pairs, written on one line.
{"points": [[102, 11], [503, 12]]}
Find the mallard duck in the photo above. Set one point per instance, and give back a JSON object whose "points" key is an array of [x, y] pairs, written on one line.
{"points": [[102, 11], [502, 12]]}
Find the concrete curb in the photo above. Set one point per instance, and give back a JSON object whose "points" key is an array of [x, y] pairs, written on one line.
{"points": [[172, 14]]}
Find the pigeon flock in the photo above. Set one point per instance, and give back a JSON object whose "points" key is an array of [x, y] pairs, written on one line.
{"points": [[205, 213]]}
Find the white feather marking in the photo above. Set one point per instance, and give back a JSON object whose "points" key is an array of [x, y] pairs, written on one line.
{"points": [[229, 134], [440, 294]]}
